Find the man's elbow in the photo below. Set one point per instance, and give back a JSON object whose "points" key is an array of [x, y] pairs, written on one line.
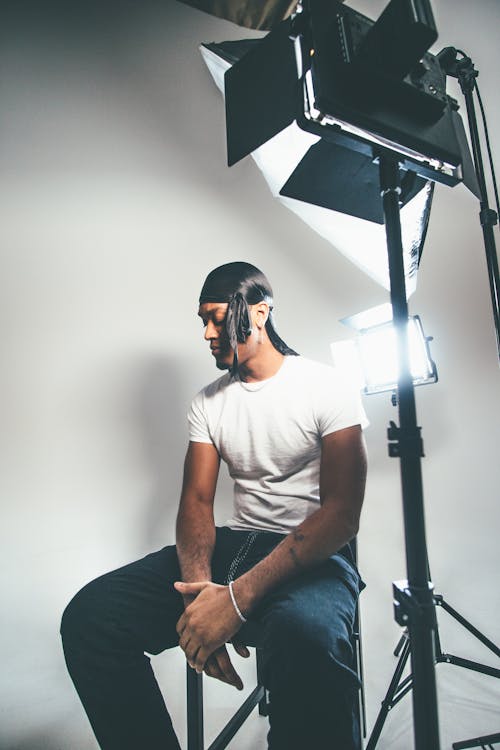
{"points": [[350, 524], [345, 519]]}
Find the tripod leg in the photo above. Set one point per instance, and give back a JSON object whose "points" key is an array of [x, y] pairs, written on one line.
{"points": [[401, 642], [467, 625], [485, 742], [388, 701]]}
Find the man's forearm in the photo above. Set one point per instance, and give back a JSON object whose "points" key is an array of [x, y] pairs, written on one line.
{"points": [[195, 540], [311, 543]]}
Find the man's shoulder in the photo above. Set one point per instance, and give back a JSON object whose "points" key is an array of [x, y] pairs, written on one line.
{"points": [[304, 367], [322, 381], [216, 386]]}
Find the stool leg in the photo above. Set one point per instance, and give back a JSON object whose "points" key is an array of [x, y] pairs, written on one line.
{"points": [[263, 703], [194, 683]]}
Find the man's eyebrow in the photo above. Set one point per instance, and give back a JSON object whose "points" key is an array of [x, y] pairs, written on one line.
{"points": [[211, 312]]}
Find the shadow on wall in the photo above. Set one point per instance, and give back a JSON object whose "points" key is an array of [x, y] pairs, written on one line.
{"points": [[37, 741], [162, 405]]}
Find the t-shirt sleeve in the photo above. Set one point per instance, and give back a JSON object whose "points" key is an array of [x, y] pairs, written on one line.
{"points": [[338, 405], [197, 421]]}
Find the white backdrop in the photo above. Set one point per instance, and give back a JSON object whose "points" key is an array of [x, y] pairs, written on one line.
{"points": [[115, 202]]}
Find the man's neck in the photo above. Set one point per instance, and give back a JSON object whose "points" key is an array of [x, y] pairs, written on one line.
{"points": [[261, 367]]}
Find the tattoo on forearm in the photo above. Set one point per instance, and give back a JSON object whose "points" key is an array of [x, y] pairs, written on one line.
{"points": [[295, 558], [298, 537]]}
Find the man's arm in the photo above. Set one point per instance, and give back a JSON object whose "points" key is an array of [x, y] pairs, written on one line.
{"points": [[211, 620], [195, 540], [195, 529]]}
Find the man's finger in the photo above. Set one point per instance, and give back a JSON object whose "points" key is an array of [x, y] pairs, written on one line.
{"points": [[201, 656], [192, 654], [212, 669], [184, 642], [181, 624], [227, 669], [240, 649]]}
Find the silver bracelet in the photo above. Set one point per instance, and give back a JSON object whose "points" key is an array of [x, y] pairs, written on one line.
{"points": [[238, 611]]}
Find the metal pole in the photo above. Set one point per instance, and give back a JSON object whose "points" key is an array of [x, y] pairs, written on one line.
{"points": [[414, 599], [467, 74]]}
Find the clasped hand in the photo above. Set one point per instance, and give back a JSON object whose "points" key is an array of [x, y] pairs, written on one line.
{"points": [[205, 627]]}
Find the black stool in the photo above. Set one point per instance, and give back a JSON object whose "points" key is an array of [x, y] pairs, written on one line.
{"points": [[194, 683]]}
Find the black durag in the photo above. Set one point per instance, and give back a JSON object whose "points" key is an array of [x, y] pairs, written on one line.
{"points": [[240, 284]]}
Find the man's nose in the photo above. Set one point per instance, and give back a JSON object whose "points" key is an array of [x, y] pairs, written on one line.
{"points": [[210, 331]]}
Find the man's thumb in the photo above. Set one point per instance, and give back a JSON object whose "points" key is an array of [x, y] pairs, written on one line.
{"points": [[189, 588]]}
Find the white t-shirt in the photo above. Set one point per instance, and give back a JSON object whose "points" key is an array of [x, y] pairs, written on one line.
{"points": [[269, 434]]}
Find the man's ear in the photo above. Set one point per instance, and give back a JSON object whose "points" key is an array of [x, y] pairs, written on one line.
{"points": [[261, 314]]}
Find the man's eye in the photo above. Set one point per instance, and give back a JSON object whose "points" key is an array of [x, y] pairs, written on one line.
{"points": [[216, 323]]}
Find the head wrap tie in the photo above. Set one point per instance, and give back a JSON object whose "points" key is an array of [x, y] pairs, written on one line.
{"points": [[240, 285]]}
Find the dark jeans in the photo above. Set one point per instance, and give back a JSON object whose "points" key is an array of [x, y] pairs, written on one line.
{"points": [[306, 628]]}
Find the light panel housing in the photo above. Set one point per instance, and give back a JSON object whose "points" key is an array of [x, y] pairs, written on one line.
{"points": [[378, 354], [371, 360]]}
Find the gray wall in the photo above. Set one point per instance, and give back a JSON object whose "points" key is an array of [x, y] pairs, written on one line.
{"points": [[115, 201]]}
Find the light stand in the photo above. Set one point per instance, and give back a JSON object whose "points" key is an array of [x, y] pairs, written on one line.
{"points": [[465, 72], [413, 600]]}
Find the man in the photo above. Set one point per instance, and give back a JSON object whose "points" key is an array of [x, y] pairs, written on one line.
{"points": [[290, 433]]}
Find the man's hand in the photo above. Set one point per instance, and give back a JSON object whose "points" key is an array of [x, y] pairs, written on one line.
{"points": [[208, 623], [219, 665]]}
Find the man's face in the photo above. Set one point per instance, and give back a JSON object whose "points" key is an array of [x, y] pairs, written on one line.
{"points": [[213, 315]]}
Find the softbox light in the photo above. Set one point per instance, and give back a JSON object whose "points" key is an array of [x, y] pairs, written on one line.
{"points": [[294, 157]]}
